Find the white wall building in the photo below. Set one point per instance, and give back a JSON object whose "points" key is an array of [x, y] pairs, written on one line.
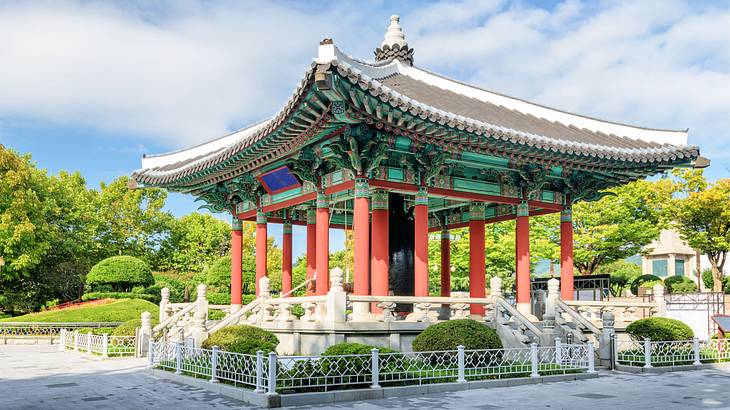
{"points": [[670, 256]]}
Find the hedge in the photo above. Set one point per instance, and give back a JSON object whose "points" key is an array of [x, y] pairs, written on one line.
{"points": [[242, 339], [119, 274], [659, 329], [119, 295], [449, 335], [679, 284], [127, 328]]}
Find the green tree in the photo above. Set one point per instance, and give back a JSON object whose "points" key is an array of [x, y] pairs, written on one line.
{"points": [[703, 221], [620, 225], [622, 274], [133, 222], [194, 243]]}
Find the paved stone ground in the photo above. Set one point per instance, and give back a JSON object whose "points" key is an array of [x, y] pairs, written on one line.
{"points": [[40, 377]]}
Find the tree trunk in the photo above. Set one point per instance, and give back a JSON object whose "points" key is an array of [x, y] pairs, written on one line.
{"points": [[716, 277]]}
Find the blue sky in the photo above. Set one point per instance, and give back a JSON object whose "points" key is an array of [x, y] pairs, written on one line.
{"points": [[91, 86]]}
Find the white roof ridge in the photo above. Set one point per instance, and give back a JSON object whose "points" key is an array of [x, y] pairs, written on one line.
{"points": [[171, 157]]}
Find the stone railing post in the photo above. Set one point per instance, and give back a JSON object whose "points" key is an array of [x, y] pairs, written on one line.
{"points": [[272, 373], [548, 331], [199, 333], [533, 361], [552, 297], [178, 357], [259, 371], [661, 304], [105, 345], [214, 365], [264, 287], [606, 339], [591, 357], [696, 350], [647, 354], [62, 340], [558, 351], [375, 369], [151, 353], [336, 298], [461, 361], [202, 300], [145, 332], [165, 293], [284, 313]]}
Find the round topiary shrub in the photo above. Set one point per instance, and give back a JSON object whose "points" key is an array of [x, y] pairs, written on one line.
{"points": [[659, 329], [450, 334], [242, 339], [644, 281], [119, 274]]}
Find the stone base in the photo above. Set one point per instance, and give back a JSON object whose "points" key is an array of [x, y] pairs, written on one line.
{"points": [[312, 338]]}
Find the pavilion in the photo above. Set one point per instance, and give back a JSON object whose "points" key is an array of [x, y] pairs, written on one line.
{"points": [[401, 152]]}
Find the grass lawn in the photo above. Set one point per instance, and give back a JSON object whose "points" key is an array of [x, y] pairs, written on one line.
{"points": [[117, 311]]}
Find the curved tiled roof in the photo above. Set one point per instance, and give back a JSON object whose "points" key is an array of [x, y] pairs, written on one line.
{"points": [[446, 102]]}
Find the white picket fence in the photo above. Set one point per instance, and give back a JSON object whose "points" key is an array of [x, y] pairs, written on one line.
{"points": [[273, 373], [104, 345], [648, 354]]}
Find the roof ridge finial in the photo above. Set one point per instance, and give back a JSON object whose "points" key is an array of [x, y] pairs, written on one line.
{"points": [[394, 44], [394, 34]]}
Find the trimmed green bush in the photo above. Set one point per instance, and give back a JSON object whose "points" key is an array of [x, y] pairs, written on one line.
{"points": [[242, 339], [659, 329], [643, 281], [119, 274], [215, 314], [354, 348], [450, 334], [127, 328], [119, 295], [679, 284]]}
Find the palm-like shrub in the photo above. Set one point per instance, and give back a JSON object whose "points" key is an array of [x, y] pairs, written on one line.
{"points": [[119, 274]]}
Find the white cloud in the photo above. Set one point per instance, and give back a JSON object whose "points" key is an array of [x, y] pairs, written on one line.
{"points": [[185, 72]]}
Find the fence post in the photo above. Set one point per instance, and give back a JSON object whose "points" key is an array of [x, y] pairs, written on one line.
{"points": [[647, 353], [696, 348], [62, 341], [460, 362], [88, 343], [375, 367], [591, 358], [558, 351], [151, 353], [76, 340], [105, 345], [178, 357], [272, 373], [533, 360], [259, 371], [214, 365], [614, 352]]}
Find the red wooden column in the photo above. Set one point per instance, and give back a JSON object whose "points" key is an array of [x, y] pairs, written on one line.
{"points": [[420, 244], [323, 244], [311, 248], [566, 253], [522, 236], [361, 226], [379, 247], [445, 263], [261, 250], [476, 256], [236, 262], [286, 258]]}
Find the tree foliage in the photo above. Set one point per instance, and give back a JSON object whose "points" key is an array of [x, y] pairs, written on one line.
{"points": [[119, 274], [703, 221]]}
